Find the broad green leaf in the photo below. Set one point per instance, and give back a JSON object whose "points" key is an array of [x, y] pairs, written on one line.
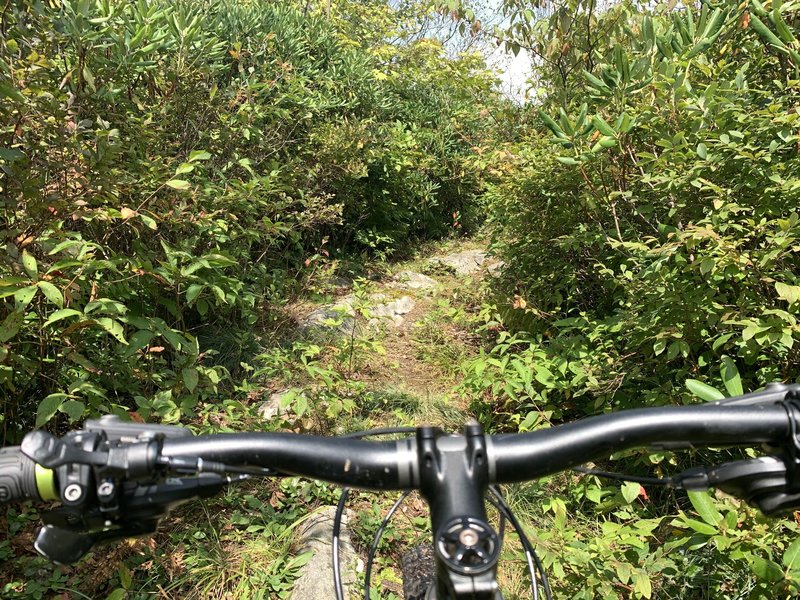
{"points": [[178, 184], [117, 594], [552, 125], [112, 327], [791, 557], [730, 377], [190, 378], [704, 505], [49, 407], [707, 265], [630, 491], [89, 78], [624, 572], [300, 405], [137, 341], [641, 585], [765, 32], [196, 155], [11, 154], [784, 31], [602, 126], [149, 222], [64, 313], [175, 339], [184, 168], [704, 391], [11, 325], [596, 82], [73, 409], [721, 341], [702, 151], [29, 264], [299, 560], [751, 331], [766, 569], [673, 350], [700, 527], [24, 296], [105, 306], [125, 576], [7, 91], [52, 293], [607, 141], [790, 293], [193, 292], [81, 360]]}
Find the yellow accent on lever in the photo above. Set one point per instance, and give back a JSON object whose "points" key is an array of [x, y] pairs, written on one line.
{"points": [[46, 483]]}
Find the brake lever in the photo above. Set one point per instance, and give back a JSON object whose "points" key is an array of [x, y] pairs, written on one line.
{"points": [[762, 482], [771, 394], [65, 547], [51, 452], [70, 532]]}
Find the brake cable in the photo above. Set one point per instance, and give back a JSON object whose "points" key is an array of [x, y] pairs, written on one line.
{"points": [[671, 482], [534, 564], [337, 519]]}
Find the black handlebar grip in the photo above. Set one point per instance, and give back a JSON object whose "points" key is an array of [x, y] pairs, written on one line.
{"points": [[17, 476]]}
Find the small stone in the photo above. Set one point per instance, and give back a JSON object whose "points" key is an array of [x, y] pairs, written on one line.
{"points": [[272, 407]]}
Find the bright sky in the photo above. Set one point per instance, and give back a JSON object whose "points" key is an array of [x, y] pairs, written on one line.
{"points": [[516, 70]]}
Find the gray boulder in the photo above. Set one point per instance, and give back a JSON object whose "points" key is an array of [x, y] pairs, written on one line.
{"points": [[335, 318], [316, 579], [411, 280], [465, 262], [392, 312]]}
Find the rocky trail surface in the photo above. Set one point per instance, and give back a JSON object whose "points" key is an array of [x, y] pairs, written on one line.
{"points": [[411, 313]]}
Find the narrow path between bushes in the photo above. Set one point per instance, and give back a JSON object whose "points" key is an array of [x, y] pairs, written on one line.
{"points": [[419, 316]]}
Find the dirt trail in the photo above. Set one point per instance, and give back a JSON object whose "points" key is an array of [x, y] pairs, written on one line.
{"points": [[424, 348]]}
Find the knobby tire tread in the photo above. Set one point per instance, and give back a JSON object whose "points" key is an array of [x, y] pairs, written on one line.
{"points": [[419, 571]]}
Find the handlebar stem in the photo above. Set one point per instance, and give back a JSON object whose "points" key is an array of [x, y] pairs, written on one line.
{"points": [[454, 476]]}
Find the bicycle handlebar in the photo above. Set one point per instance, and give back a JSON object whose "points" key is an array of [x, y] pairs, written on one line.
{"points": [[552, 450], [511, 457], [112, 478]]}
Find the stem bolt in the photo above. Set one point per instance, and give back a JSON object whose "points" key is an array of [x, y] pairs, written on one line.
{"points": [[105, 489], [73, 492], [468, 537]]}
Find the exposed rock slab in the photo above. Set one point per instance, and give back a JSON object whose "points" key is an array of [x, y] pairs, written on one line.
{"points": [[412, 280], [339, 318], [392, 312], [340, 283], [316, 580], [495, 269], [465, 262]]}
